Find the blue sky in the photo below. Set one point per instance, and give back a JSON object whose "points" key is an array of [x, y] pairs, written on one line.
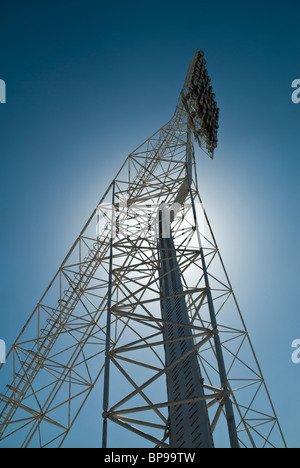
{"points": [[87, 82]]}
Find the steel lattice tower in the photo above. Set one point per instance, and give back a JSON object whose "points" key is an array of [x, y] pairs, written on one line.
{"points": [[143, 304]]}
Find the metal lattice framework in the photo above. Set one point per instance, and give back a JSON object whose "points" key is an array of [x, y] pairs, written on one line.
{"points": [[101, 316]]}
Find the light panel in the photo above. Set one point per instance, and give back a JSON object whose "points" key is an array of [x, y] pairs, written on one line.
{"points": [[200, 101]]}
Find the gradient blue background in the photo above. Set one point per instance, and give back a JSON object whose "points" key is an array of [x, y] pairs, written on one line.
{"points": [[87, 82]]}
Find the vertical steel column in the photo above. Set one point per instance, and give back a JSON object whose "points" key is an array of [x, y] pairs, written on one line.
{"points": [[189, 425], [108, 328], [218, 347]]}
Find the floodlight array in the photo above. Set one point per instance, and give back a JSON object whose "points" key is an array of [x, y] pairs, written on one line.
{"points": [[201, 102]]}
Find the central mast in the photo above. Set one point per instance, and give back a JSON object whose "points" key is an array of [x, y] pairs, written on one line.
{"points": [[189, 424]]}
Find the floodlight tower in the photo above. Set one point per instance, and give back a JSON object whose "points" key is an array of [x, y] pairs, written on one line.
{"points": [[142, 305]]}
